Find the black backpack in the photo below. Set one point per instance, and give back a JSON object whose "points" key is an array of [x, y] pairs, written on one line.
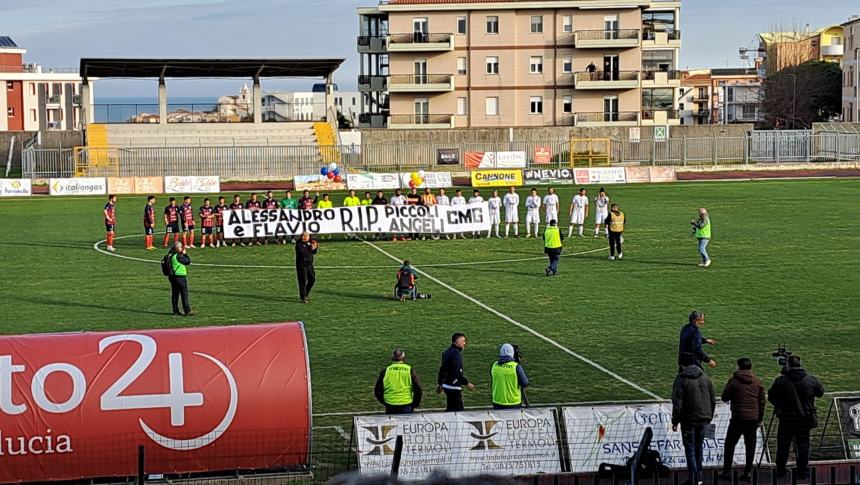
{"points": [[167, 264]]}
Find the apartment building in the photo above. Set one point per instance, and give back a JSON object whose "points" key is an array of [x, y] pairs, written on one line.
{"points": [[490, 63], [720, 96], [309, 105], [851, 71], [36, 97], [792, 48]]}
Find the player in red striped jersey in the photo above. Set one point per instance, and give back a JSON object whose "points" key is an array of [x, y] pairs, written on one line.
{"points": [[186, 217], [171, 221], [149, 223], [110, 221], [219, 222], [236, 205], [272, 203], [254, 204], [207, 224]]}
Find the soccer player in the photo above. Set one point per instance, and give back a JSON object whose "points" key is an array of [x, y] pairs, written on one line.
{"points": [[207, 223], [171, 221], [288, 202], [532, 213], [578, 212], [495, 204], [429, 200], [149, 223], [306, 202], [476, 198], [601, 211], [511, 202], [270, 202], [237, 205], [110, 221], [186, 213], [254, 204], [442, 199], [367, 200], [458, 199], [551, 204], [219, 223], [413, 197], [398, 200]]}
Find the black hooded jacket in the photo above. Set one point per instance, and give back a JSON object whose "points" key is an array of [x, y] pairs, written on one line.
{"points": [[793, 397], [693, 399]]}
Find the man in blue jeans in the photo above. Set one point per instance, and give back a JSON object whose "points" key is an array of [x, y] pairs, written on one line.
{"points": [[702, 233], [693, 405]]}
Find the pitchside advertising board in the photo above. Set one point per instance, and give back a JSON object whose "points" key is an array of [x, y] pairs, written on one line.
{"points": [[208, 184], [367, 219], [550, 176], [611, 434], [849, 424], [76, 406], [78, 186], [372, 181], [499, 442], [497, 178], [15, 188]]}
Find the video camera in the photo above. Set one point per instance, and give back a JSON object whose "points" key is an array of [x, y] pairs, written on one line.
{"points": [[781, 354], [518, 356]]}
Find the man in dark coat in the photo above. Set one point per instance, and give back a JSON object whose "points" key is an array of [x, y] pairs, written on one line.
{"points": [[745, 392], [690, 351], [793, 397], [693, 406], [451, 379], [305, 250]]}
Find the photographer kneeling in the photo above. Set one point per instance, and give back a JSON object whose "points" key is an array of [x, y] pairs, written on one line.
{"points": [[405, 286]]}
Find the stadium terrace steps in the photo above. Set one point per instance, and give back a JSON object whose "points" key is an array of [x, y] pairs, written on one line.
{"points": [[199, 134]]}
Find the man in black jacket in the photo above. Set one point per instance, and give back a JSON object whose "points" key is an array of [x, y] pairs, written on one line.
{"points": [[690, 351], [179, 262], [793, 397], [305, 250], [745, 392], [451, 379], [693, 406]]}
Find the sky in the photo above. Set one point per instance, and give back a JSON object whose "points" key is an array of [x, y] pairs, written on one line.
{"points": [[59, 32]]}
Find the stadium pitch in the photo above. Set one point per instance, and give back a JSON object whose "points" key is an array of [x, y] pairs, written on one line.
{"points": [[785, 270]]}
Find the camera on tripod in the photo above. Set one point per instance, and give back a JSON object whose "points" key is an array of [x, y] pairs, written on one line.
{"points": [[518, 356], [781, 354]]}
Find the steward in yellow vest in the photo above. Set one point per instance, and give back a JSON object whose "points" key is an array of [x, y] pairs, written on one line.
{"points": [[552, 247], [615, 222], [397, 387], [509, 379]]}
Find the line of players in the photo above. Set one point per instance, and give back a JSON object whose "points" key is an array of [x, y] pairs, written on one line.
{"points": [[179, 219]]}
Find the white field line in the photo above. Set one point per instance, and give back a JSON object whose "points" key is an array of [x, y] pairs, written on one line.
{"points": [[524, 327], [97, 247], [342, 432]]}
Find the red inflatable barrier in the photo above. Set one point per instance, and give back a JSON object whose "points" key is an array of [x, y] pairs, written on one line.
{"points": [[79, 405]]}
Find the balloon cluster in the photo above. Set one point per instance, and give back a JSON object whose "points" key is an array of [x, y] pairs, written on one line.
{"points": [[416, 179], [332, 172]]}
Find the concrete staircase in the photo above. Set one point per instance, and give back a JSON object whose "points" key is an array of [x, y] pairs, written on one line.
{"points": [[201, 135]]}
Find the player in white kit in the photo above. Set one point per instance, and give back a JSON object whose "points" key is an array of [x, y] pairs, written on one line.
{"points": [[578, 212], [532, 213], [442, 199], [495, 204], [398, 199], [458, 199], [551, 203], [601, 211], [511, 202], [476, 199]]}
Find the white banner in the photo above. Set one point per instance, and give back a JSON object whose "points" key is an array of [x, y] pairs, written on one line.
{"points": [[78, 186], [611, 434], [432, 180], [372, 181], [366, 219], [15, 188], [192, 184], [600, 175], [509, 442]]}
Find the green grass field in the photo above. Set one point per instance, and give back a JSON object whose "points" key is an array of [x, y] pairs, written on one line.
{"points": [[785, 269]]}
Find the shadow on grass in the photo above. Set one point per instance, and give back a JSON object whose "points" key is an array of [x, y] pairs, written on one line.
{"points": [[358, 295], [65, 303], [628, 260]]}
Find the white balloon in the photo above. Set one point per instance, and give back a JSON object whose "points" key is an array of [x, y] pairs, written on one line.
{"points": [[332, 166], [421, 173]]}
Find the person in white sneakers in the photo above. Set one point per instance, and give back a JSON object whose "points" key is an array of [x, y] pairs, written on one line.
{"points": [[458, 199], [601, 211], [495, 204], [551, 204], [476, 199], [532, 213], [511, 202], [578, 212]]}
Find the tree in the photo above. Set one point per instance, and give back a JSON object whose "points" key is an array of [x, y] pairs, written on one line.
{"points": [[796, 97]]}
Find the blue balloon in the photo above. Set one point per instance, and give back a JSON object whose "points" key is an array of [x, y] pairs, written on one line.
{"points": [[324, 171], [336, 172]]}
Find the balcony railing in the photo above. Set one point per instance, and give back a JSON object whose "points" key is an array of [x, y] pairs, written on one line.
{"points": [[426, 119], [607, 117], [671, 75], [617, 34], [419, 38], [651, 34], [607, 76], [420, 79], [650, 114], [372, 43], [37, 69]]}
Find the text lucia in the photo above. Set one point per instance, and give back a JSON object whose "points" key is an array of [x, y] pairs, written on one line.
{"points": [[45, 444], [523, 433]]}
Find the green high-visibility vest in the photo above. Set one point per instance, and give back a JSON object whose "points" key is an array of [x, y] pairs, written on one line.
{"points": [[704, 232], [552, 237], [506, 387], [179, 269], [398, 384]]}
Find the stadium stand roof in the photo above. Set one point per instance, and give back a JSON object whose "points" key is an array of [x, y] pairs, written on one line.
{"points": [[207, 68], [6, 41]]}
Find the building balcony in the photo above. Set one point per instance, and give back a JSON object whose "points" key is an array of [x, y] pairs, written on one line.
{"points": [[661, 79], [607, 39], [661, 117], [832, 50], [77, 100], [607, 80], [54, 101], [662, 40], [372, 44], [615, 118], [419, 122], [421, 83], [369, 83], [420, 42], [372, 120]]}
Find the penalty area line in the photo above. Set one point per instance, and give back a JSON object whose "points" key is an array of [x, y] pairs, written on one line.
{"points": [[523, 327]]}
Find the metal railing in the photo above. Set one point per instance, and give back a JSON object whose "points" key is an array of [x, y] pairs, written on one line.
{"points": [[419, 79], [617, 34], [651, 34], [36, 68], [419, 38], [607, 116], [364, 40], [607, 76], [672, 75], [418, 119], [671, 114]]}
